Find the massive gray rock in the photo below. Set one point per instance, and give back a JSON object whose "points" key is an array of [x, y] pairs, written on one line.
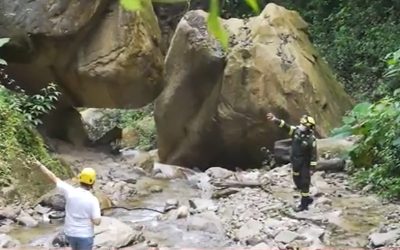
{"points": [[212, 110], [99, 54]]}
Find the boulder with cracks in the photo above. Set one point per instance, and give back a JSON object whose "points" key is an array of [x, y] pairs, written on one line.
{"points": [[212, 110]]}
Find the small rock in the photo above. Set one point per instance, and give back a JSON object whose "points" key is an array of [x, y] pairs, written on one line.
{"points": [[151, 244], [26, 220], [272, 223], [260, 246], [324, 201], [171, 204], [367, 188], [206, 222], [5, 228], [219, 173], [182, 212], [202, 204], [42, 210], [250, 229], [10, 212], [112, 233], [382, 239], [286, 236], [7, 242], [156, 189]]}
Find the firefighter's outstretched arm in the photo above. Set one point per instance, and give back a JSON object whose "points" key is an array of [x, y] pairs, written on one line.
{"points": [[281, 123]]}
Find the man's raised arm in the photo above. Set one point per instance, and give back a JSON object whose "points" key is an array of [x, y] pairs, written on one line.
{"points": [[50, 175], [281, 123]]}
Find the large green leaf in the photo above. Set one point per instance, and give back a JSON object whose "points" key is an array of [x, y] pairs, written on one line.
{"points": [[253, 5], [361, 109], [131, 5], [396, 142], [214, 25], [169, 1], [4, 41]]}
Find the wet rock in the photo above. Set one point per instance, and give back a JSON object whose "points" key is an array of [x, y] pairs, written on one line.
{"points": [[261, 246], [286, 236], [60, 240], [42, 210], [156, 189], [10, 212], [54, 199], [6, 227], [217, 194], [114, 233], [26, 220], [151, 244], [249, 230], [171, 204], [165, 171], [273, 223], [7, 242], [182, 212], [323, 201], [219, 173], [206, 222], [382, 239], [200, 205], [125, 174], [312, 233], [367, 188]]}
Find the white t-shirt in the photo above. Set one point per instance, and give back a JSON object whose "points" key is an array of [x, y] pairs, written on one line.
{"points": [[81, 207]]}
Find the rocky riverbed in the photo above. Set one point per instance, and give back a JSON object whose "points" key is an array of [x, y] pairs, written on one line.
{"points": [[213, 209]]}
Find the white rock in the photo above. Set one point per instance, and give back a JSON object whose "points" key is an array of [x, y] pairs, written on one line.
{"points": [[286, 236], [114, 233], [382, 239], [7, 242], [250, 229]]}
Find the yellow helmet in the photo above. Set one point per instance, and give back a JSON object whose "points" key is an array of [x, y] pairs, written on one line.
{"points": [[87, 176], [307, 121]]}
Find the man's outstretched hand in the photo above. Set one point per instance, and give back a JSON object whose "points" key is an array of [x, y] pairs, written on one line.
{"points": [[271, 117]]}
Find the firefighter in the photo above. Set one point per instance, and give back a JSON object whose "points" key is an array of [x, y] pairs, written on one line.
{"points": [[303, 155]]}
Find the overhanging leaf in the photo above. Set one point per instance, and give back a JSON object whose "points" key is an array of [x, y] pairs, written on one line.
{"points": [[214, 25], [3, 62], [131, 5], [4, 41], [396, 142], [253, 5], [169, 1]]}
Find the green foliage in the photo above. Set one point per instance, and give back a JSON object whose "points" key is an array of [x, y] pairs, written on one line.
{"points": [[19, 142], [213, 23], [35, 106], [377, 156], [352, 36], [143, 122], [241, 8]]}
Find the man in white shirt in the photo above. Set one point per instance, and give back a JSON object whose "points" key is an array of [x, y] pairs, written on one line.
{"points": [[82, 209]]}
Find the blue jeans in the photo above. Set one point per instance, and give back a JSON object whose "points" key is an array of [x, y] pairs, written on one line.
{"points": [[77, 243]]}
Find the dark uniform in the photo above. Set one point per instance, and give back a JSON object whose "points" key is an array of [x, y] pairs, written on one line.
{"points": [[303, 157]]}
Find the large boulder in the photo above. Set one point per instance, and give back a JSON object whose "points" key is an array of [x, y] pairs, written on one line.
{"points": [[212, 109], [114, 233], [99, 54]]}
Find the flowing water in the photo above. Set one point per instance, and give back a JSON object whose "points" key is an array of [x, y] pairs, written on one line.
{"points": [[348, 221]]}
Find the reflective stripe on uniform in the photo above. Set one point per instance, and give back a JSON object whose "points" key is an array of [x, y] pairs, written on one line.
{"points": [[282, 123], [296, 173], [291, 130], [313, 163], [305, 194]]}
